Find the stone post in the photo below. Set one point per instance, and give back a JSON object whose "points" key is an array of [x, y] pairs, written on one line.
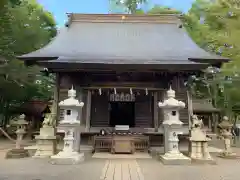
{"points": [[172, 128], [69, 125]]}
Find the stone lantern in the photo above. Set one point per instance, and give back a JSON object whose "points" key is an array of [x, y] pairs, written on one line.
{"points": [[199, 142], [172, 128], [225, 133], [19, 151], [70, 125]]}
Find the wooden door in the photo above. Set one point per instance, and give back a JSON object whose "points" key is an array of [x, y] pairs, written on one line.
{"points": [[99, 111], [143, 111]]}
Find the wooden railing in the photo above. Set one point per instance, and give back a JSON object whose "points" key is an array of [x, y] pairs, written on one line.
{"points": [[104, 143]]}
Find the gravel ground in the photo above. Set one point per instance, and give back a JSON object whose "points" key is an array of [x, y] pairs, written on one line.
{"points": [[224, 170], [41, 169]]}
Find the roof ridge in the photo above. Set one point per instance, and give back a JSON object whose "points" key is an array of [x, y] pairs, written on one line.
{"points": [[126, 18]]}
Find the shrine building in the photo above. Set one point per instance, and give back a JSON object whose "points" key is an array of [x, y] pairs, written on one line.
{"points": [[122, 66]]}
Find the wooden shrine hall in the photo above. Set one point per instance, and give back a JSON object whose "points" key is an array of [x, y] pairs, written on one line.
{"points": [[121, 65]]}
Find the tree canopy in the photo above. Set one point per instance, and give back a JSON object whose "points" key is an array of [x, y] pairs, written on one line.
{"points": [[24, 27], [215, 27]]}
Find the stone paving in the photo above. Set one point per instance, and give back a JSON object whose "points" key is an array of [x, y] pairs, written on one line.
{"points": [[116, 169], [121, 170]]}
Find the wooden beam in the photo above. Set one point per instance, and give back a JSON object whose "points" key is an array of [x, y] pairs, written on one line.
{"points": [[190, 108], [111, 87], [78, 131], [88, 110]]}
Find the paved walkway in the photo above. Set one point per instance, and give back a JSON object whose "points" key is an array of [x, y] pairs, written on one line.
{"points": [[115, 169], [99, 169], [121, 170], [103, 155]]}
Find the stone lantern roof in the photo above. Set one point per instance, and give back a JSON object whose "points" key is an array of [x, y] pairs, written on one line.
{"points": [[71, 101], [225, 123], [21, 120], [171, 102]]}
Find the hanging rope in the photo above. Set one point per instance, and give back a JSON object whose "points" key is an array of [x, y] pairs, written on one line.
{"points": [[6, 135]]}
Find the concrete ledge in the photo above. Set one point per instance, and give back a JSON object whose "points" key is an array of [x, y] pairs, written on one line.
{"points": [[31, 150], [168, 161], [87, 150], [199, 161], [67, 160], [229, 156]]}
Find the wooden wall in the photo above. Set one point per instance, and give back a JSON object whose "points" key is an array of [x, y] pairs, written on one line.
{"points": [[144, 111], [101, 106], [99, 111], [144, 105]]}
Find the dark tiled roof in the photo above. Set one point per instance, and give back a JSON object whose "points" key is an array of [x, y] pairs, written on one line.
{"points": [[122, 43], [202, 105], [33, 108]]}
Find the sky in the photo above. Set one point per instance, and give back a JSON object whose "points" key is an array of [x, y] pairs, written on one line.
{"points": [[59, 8]]}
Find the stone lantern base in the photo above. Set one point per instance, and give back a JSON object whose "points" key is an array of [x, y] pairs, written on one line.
{"points": [[227, 155], [175, 159], [17, 153], [46, 143], [67, 158], [199, 152]]}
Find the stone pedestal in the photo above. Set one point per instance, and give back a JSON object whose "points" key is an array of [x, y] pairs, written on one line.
{"points": [[46, 143], [198, 151], [68, 155], [17, 153], [227, 152], [172, 154], [67, 158]]}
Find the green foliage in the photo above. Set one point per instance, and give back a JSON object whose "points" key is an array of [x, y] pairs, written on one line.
{"points": [[214, 25], [24, 27], [132, 6], [163, 10]]}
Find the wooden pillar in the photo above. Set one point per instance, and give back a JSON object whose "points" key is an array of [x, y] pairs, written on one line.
{"points": [[190, 108], [215, 121], [78, 131], [155, 111], [88, 110], [209, 122], [55, 107], [80, 99]]}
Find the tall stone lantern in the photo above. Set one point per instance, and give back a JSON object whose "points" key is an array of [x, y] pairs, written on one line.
{"points": [[172, 128], [70, 124], [225, 133], [19, 151]]}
